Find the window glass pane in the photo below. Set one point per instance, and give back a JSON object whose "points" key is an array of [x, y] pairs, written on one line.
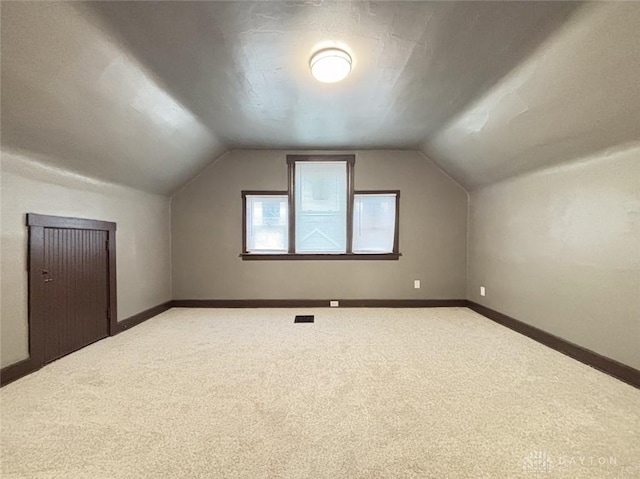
{"points": [[267, 219], [321, 207], [374, 221]]}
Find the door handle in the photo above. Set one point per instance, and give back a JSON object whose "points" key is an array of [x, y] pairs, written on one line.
{"points": [[48, 280]]}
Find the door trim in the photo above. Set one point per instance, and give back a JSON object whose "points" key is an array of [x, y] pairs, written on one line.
{"points": [[37, 223]]}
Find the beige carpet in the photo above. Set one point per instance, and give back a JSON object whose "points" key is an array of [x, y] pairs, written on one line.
{"points": [[362, 393]]}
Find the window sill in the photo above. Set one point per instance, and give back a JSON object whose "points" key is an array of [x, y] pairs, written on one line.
{"points": [[314, 257]]}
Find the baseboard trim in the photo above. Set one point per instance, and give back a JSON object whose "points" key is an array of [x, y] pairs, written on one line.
{"points": [[17, 370], [403, 303], [141, 317], [318, 303], [609, 366], [27, 366]]}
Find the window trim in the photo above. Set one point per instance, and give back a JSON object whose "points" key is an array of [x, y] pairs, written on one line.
{"points": [[330, 256], [350, 160], [290, 193], [396, 229], [246, 193]]}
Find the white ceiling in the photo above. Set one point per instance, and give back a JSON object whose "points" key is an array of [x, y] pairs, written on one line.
{"points": [[148, 93]]}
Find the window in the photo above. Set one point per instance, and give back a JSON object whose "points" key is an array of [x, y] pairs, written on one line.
{"points": [[321, 207], [374, 222], [320, 216], [266, 223]]}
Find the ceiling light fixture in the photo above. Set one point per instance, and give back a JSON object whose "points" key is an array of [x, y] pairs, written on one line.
{"points": [[330, 65]]}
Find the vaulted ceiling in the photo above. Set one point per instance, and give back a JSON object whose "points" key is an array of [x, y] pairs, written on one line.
{"points": [[148, 93]]}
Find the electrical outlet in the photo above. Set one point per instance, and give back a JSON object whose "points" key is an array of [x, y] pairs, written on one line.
{"points": [[482, 291], [416, 284], [334, 304]]}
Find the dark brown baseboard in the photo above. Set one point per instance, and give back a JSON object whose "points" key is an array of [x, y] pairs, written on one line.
{"points": [[136, 319], [318, 303], [609, 366], [17, 370], [27, 366], [403, 303]]}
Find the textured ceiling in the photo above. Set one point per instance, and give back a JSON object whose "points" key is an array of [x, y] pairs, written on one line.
{"points": [[577, 96], [147, 93], [72, 96]]}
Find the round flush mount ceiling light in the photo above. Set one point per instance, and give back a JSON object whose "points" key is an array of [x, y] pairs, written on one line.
{"points": [[330, 65]]}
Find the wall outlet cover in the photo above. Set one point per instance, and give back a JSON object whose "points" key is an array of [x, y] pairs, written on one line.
{"points": [[334, 304], [482, 291], [416, 284]]}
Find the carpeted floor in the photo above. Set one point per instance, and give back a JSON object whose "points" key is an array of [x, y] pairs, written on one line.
{"points": [[362, 393]]}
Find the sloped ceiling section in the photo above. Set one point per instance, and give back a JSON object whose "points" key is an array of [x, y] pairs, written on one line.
{"points": [[577, 95], [74, 97], [147, 93]]}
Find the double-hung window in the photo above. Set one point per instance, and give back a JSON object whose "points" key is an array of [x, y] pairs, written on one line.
{"points": [[320, 216], [320, 201], [266, 222], [374, 222]]}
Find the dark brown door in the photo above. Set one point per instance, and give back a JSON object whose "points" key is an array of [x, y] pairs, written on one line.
{"points": [[75, 292]]}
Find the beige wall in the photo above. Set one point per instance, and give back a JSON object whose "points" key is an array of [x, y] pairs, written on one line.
{"points": [[143, 239], [207, 234], [560, 250]]}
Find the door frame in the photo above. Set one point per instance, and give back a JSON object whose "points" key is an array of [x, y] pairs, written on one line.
{"points": [[35, 264]]}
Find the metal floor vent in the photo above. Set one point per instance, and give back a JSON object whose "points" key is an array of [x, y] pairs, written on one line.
{"points": [[304, 319]]}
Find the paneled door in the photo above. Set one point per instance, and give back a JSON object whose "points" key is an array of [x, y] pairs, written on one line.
{"points": [[70, 291], [75, 278]]}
